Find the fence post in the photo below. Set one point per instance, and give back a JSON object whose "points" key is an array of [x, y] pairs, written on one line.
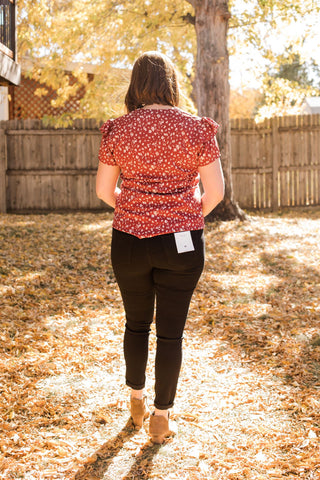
{"points": [[275, 149], [3, 171]]}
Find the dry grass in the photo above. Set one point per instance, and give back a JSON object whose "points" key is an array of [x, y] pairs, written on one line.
{"points": [[249, 393]]}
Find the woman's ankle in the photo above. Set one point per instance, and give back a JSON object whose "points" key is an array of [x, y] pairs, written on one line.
{"points": [[163, 413], [137, 394]]}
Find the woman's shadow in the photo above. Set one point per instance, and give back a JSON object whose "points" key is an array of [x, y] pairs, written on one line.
{"points": [[96, 468]]}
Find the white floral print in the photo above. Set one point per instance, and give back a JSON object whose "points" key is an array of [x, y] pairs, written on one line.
{"points": [[159, 152]]}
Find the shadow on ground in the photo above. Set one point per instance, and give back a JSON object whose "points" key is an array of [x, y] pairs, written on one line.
{"points": [[97, 467]]}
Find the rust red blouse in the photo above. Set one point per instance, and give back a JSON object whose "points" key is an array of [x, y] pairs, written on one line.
{"points": [[158, 152]]}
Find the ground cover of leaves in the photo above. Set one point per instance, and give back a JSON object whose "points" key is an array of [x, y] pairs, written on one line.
{"points": [[248, 402]]}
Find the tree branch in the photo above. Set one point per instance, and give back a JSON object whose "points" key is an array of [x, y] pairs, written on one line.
{"points": [[189, 18]]}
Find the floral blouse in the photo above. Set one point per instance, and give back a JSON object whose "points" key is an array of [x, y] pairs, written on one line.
{"points": [[158, 152]]}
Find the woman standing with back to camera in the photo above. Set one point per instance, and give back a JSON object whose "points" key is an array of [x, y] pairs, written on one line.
{"points": [[157, 248]]}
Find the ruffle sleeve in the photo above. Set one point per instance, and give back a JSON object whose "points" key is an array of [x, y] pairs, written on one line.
{"points": [[106, 148], [209, 150]]}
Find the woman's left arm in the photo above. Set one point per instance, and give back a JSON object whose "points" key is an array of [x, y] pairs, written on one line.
{"points": [[106, 183]]}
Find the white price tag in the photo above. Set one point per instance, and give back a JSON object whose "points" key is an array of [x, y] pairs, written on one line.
{"points": [[184, 242]]}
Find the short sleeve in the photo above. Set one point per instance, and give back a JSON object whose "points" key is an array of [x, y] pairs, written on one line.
{"points": [[209, 150], [105, 151]]}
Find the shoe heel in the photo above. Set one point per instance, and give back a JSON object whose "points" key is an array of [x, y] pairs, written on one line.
{"points": [[160, 429], [159, 439], [139, 412]]}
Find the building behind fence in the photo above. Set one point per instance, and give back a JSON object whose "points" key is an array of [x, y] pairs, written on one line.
{"points": [[274, 164], [9, 68]]}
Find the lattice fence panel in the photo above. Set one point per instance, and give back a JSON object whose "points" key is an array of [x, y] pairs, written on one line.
{"points": [[28, 105]]}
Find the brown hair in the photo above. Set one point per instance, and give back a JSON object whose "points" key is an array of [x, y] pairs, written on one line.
{"points": [[153, 80]]}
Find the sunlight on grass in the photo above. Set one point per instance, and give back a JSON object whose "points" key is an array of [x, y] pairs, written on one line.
{"points": [[93, 227], [246, 283]]}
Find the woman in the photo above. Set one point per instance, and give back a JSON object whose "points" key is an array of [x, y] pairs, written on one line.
{"points": [[157, 249]]}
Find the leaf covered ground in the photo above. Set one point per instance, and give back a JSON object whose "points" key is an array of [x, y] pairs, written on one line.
{"points": [[248, 402]]}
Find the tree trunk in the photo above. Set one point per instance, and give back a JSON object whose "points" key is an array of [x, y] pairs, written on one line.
{"points": [[212, 89]]}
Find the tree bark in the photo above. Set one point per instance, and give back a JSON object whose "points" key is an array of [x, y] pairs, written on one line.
{"points": [[211, 88]]}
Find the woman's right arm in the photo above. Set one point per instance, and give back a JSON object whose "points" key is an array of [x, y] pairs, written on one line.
{"points": [[212, 181], [106, 183]]}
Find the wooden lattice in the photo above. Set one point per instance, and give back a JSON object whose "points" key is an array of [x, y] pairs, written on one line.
{"points": [[25, 104]]}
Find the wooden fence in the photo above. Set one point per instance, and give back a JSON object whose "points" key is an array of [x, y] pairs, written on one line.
{"points": [[275, 164], [48, 169]]}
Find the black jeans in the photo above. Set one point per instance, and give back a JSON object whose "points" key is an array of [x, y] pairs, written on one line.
{"points": [[149, 270]]}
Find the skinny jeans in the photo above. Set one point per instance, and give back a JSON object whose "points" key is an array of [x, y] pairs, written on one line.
{"points": [[154, 278]]}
